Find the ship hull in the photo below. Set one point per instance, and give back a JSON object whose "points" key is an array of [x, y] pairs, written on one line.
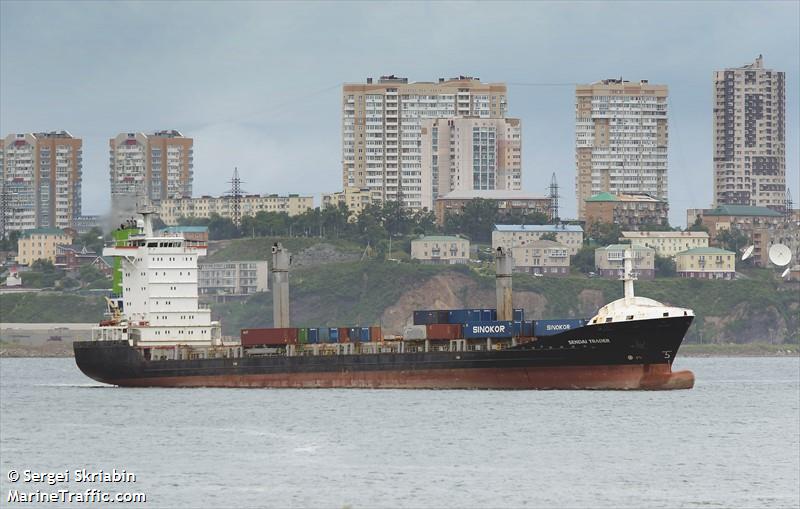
{"points": [[632, 355]]}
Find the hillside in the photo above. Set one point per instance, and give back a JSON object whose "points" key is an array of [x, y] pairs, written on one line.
{"points": [[329, 288]]}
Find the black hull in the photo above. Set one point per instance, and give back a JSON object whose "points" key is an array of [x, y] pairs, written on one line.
{"points": [[626, 355]]}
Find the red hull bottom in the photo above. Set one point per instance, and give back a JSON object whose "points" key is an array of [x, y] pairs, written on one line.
{"points": [[607, 377]]}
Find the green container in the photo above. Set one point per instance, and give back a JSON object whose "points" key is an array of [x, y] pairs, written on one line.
{"points": [[302, 336]]}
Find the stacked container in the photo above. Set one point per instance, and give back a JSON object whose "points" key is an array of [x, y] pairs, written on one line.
{"points": [[272, 337]]}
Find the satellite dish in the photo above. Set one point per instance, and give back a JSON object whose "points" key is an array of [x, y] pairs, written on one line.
{"points": [[780, 255], [785, 272], [748, 253]]}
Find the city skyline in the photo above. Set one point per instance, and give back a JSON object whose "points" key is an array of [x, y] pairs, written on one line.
{"points": [[197, 71]]}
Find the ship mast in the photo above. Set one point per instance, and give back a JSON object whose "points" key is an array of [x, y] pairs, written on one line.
{"points": [[628, 278], [504, 265], [146, 209]]}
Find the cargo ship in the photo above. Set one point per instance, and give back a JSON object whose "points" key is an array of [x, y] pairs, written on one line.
{"points": [[156, 334]]}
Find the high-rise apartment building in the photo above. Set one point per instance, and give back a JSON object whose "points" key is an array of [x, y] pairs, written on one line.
{"points": [[749, 142], [41, 181], [620, 139], [470, 154], [157, 166], [382, 127]]}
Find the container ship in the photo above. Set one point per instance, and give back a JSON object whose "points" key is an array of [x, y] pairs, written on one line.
{"points": [[156, 334]]}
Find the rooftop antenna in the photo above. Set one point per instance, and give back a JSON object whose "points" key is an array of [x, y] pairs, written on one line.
{"points": [[554, 198], [789, 205], [236, 193], [785, 272], [748, 253]]}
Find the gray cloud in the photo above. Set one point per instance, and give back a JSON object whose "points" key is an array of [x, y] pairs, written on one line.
{"points": [[257, 84]]}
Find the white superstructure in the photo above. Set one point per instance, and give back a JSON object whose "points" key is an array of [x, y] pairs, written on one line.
{"points": [[631, 307], [159, 304]]}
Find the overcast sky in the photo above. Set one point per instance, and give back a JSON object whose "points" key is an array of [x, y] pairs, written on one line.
{"points": [[258, 84]]}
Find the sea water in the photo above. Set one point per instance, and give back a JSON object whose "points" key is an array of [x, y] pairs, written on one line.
{"points": [[732, 441]]}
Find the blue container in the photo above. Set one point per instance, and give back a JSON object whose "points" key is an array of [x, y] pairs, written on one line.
{"points": [[551, 327], [426, 317], [354, 333], [333, 335], [363, 334], [488, 315], [519, 315], [517, 329], [459, 316], [488, 329], [324, 334], [527, 329], [313, 336]]}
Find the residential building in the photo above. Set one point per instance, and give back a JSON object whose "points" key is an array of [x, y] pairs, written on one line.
{"points": [[85, 223], [382, 128], [706, 263], [40, 183], [355, 198], [741, 217], [666, 243], [631, 211], [510, 236], [197, 234], [517, 203], [40, 244], [609, 261], [620, 139], [440, 249], [470, 154], [157, 166], [171, 210], [749, 136], [72, 256], [226, 280], [545, 257], [104, 264]]}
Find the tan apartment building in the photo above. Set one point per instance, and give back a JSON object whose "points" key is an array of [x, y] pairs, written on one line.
{"points": [[227, 280], [171, 210], [440, 249], [511, 236], [545, 257], [508, 203], [40, 185], [666, 243], [740, 217], [382, 128], [631, 211], [40, 244], [749, 136], [157, 166], [609, 261], [620, 139], [470, 154], [354, 198], [706, 263]]}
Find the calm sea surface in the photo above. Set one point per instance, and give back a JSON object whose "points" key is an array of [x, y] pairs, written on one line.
{"points": [[732, 441]]}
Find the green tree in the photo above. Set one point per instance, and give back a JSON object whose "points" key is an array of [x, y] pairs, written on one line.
{"points": [[665, 266], [698, 226], [10, 242], [549, 236], [583, 260], [478, 219], [603, 234], [732, 239], [93, 240]]}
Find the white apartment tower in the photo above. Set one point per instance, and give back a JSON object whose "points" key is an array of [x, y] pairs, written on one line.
{"points": [[41, 181], [157, 166], [620, 139], [470, 154], [381, 130], [749, 136]]}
